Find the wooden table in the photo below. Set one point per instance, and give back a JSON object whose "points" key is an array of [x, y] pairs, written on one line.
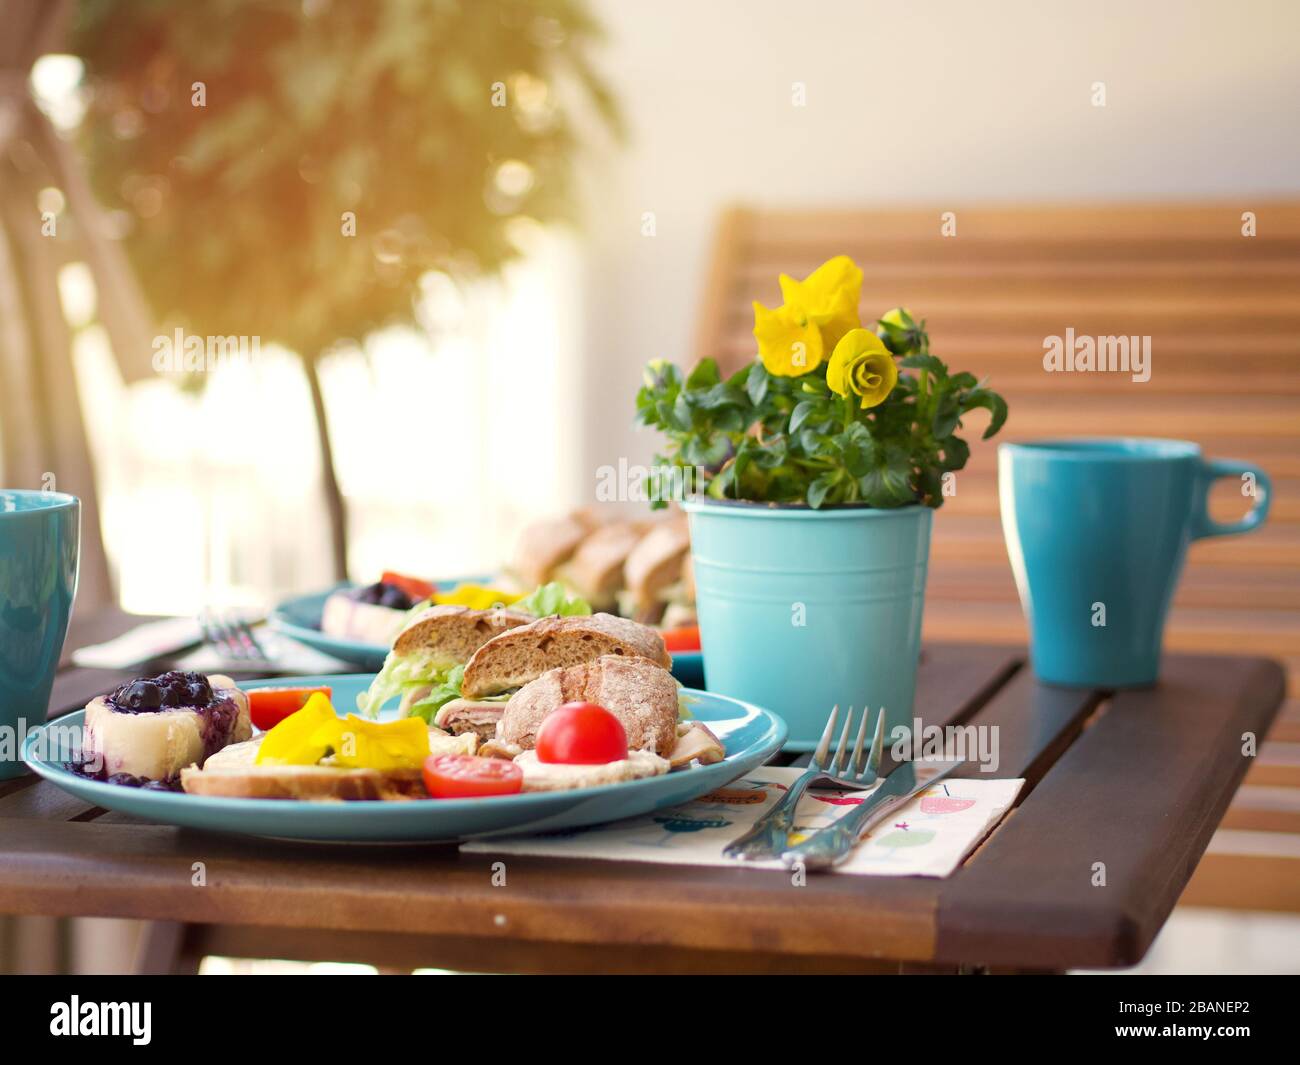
{"points": [[1136, 781]]}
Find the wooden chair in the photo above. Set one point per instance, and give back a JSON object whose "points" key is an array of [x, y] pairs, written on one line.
{"points": [[1223, 311]]}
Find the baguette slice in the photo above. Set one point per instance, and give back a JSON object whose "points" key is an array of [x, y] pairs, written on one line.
{"points": [[523, 654], [455, 632], [640, 693], [596, 569], [655, 564], [233, 773], [545, 544]]}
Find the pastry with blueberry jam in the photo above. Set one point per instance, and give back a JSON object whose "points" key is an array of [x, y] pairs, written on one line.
{"points": [[147, 731]]}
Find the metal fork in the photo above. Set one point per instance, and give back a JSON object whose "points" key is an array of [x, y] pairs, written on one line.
{"points": [[855, 768], [830, 845], [233, 637]]}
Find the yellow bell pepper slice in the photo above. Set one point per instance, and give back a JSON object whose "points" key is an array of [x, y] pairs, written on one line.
{"points": [[315, 731], [400, 744], [474, 596], [304, 737]]}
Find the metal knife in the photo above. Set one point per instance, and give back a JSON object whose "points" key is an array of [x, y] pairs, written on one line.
{"points": [[828, 846]]}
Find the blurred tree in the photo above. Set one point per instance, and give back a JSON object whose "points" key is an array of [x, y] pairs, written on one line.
{"points": [[290, 170]]}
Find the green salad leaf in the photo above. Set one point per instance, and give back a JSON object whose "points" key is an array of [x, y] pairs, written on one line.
{"points": [[401, 674], [553, 598], [442, 693]]}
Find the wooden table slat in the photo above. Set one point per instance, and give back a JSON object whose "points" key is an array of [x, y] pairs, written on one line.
{"points": [[41, 800], [1142, 791]]}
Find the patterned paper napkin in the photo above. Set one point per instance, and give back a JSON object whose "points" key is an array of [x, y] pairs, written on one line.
{"points": [[928, 837]]}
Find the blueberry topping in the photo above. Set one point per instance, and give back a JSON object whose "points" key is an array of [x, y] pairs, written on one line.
{"points": [[139, 695], [167, 691], [395, 598], [380, 594]]}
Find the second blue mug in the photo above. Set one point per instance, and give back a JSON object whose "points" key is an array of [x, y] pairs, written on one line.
{"points": [[39, 541], [1097, 531]]}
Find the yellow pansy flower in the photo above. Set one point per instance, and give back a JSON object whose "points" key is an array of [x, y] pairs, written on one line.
{"points": [[861, 364], [789, 342], [830, 297]]}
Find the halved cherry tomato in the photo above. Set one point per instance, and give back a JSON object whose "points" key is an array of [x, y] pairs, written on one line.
{"points": [[467, 776], [412, 586], [581, 734], [269, 706], [687, 638]]}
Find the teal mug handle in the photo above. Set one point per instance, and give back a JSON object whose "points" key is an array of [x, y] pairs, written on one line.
{"points": [[1212, 470]]}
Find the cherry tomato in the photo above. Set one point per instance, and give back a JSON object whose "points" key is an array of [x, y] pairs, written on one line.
{"points": [[269, 706], [687, 638], [412, 586], [467, 776], [581, 734]]}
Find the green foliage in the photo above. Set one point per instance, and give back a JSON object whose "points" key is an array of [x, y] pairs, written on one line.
{"points": [[762, 437], [548, 599], [383, 108]]}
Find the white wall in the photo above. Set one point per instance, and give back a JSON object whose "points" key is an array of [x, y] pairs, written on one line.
{"points": [[938, 103]]}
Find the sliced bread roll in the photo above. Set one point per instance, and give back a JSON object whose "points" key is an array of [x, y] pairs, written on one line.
{"points": [[455, 632], [596, 569], [514, 658], [545, 544], [654, 565], [640, 693]]}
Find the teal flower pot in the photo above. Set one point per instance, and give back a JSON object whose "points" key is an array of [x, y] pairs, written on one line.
{"points": [[802, 609]]}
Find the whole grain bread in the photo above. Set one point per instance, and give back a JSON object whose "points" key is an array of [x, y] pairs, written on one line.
{"points": [[596, 569], [639, 692], [523, 654], [655, 563], [455, 631], [543, 545]]}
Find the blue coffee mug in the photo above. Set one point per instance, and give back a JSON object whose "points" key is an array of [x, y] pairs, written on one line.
{"points": [[1097, 531], [40, 536]]}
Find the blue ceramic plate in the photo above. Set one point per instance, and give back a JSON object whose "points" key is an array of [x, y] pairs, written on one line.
{"points": [[750, 735], [299, 619]]}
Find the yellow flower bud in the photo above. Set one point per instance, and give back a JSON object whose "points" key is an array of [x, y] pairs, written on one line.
{"points": [[862, 365]]}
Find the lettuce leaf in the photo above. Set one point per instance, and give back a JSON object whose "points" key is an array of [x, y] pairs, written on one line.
{"points": [[400, 674], [443, 693], [553, 598]]}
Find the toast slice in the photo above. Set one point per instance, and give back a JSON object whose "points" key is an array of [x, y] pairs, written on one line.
{"points": [[639, 692], [523, 654], [233, 773], [455, 632]]}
